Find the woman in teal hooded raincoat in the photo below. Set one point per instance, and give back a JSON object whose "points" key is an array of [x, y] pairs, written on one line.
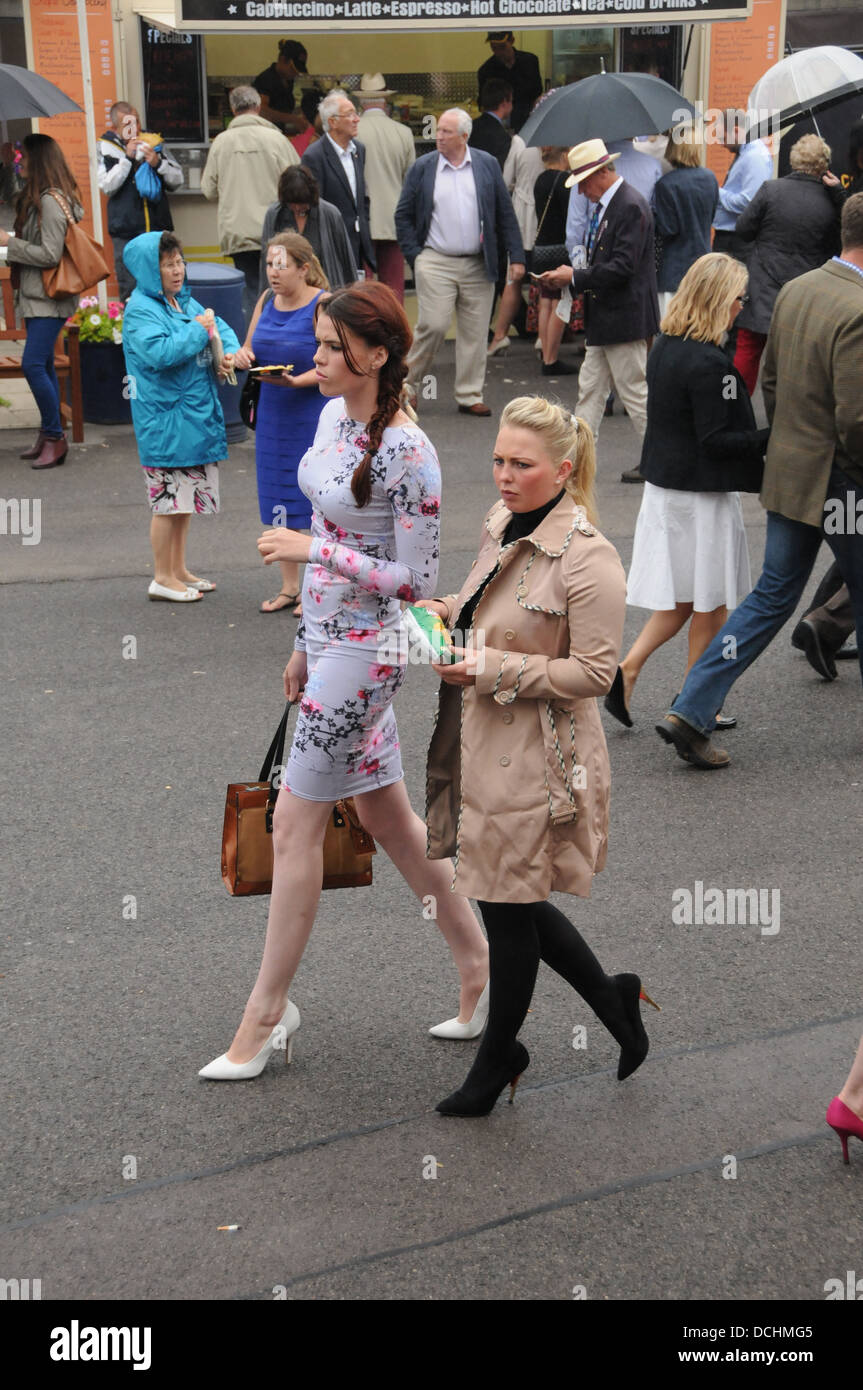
{"points": [[176, 412]]}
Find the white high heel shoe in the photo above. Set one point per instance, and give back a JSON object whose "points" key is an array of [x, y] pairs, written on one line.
{"points": [[472, 1029], [282, 1036]]}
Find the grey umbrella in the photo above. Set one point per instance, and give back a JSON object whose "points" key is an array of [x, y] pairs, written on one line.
{"points": [[608, 106], [24, 93]]}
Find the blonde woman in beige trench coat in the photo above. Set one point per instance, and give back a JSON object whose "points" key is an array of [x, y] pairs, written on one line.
{"points": [[518, 776]]}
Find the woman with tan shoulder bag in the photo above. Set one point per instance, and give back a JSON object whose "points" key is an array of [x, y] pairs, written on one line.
{"points": [[36, 244]]}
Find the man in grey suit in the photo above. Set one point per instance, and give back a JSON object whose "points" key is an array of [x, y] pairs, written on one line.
{"points": [[813, 479], [337, 161], [453, 220]]}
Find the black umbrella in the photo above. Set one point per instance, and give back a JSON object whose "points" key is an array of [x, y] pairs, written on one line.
{"points": [[608, 106], [24, 93]]}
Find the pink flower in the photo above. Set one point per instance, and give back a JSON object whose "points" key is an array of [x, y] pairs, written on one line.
{"points": [[363, 694], [381, 673], [310, 706], [405, 592], [371, 766]]}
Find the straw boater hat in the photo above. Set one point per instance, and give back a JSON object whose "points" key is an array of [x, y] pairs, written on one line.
{"points": [[586, 159], [373, 84]]}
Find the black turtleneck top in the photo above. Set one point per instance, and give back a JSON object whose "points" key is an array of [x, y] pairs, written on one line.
{"points": [[520, 524]]}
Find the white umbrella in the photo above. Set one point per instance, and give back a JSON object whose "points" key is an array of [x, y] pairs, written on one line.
{"points": [[800, 85]]}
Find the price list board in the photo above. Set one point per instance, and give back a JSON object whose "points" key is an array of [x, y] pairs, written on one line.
{"points": [[174, 89], [54, 31]]}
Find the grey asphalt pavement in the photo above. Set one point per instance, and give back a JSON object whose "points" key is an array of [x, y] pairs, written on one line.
{"points": [[710, 1174]]}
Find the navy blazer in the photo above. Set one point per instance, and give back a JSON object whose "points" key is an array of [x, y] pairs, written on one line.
{"points": [[326, 166], [498, 228], [619, 285]]}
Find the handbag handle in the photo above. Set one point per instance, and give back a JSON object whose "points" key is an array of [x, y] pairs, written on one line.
{"points": [[64, 206], [275, 756], [548, 200]]}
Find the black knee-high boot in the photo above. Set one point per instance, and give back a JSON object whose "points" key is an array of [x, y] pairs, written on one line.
{"points": [[513, 962], [613, 998]]}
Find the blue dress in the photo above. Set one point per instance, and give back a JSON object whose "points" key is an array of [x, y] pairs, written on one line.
{"points": [[287, 417]]}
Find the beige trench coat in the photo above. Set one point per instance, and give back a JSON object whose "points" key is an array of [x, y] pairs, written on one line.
{"points": [[518, 779]]}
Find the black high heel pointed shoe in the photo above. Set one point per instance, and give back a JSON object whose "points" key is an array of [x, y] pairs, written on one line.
{"points": [[615, 703], [469, 1101], [633, 1049]]}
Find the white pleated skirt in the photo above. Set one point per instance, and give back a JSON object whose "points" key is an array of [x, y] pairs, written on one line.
{"points": [[689, 547]]}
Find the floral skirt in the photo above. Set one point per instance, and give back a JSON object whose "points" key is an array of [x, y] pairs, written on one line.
{"points": [[345, 741], [181, 491]]}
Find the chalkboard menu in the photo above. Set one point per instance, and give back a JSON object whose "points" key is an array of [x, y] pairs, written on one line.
{"points": [[174, 93]]}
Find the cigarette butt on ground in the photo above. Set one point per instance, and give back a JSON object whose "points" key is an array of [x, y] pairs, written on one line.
{"points": [[227, 1228]]}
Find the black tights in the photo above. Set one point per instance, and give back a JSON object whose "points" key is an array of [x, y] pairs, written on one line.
{"points": [[519, 936]]}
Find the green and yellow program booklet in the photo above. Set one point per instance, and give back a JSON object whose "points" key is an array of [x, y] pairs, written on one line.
{"points": [[427, 633]]}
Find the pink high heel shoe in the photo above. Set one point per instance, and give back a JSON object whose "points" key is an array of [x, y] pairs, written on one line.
{"points": [[845, 1123]]}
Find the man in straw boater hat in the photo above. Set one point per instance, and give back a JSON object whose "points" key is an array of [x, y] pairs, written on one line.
{"points": [[621, 311], [389, 154]]}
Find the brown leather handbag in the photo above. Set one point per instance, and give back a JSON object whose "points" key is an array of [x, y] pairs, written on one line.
{"points": [[247, 833], [82, 264]]}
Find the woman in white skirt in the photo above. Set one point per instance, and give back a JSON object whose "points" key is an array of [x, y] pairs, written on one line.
{"points": [[701, 449]]}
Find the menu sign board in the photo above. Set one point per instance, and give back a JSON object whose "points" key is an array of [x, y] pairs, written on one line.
{"points": [[448, 14], [738, 58], [173, 85], [54, 30]]}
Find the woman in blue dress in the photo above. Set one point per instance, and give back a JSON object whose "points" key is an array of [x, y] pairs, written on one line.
{"points": [[282, 332]]}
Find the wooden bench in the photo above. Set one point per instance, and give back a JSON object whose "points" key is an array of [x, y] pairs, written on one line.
{"points": [[67, 364]]}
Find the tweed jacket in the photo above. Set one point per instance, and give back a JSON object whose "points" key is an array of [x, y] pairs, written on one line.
{"points": [[811, 379]]}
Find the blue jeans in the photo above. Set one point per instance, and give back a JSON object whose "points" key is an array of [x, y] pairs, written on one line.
{"points": [[37, 363], [789, 554]]}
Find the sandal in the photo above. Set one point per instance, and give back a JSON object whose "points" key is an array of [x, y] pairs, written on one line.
{"points": [[291, 601]]}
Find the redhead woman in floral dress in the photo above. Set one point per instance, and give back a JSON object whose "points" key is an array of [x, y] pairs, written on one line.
{"points": [[373, 479]]}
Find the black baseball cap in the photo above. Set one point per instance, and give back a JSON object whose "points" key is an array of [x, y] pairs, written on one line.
{"points": [[294, 52], [498, 36]]}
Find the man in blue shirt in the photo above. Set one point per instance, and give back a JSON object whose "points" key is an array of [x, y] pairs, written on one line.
{"points": [[752, 166]]}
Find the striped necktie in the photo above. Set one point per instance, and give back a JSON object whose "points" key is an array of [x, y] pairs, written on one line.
{"points": [[592, 229]]}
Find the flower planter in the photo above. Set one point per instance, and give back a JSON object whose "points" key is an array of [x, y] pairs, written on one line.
{"points": [[103, 368]]}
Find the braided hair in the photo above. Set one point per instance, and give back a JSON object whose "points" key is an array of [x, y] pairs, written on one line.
{"points": [[371, 311]]}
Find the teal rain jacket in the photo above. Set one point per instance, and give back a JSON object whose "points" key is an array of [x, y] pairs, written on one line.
{"points": [[176, 412]]}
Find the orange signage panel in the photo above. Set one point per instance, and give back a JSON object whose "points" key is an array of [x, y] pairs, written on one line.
{"points": [[56, 56], [740, 53]]}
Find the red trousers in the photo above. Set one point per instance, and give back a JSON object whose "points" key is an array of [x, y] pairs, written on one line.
{"points": [[391, 267], [748, 355]]}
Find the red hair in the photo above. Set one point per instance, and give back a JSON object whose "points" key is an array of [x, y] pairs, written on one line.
{"points": [[371, 311]]}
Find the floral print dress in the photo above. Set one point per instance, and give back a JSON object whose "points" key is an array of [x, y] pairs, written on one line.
{"points": [[363, 561]]}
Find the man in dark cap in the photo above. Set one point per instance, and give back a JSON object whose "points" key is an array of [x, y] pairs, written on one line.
{"points": [[276, 87], [519, 69]]}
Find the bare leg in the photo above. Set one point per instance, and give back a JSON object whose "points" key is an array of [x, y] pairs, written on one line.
{"points": [[290, 585], [162, 529], [507, 310], [852, 1092], [660, 627], [388, 816], [550, 331], [298, 870], [179, 537], [702, 630]]}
